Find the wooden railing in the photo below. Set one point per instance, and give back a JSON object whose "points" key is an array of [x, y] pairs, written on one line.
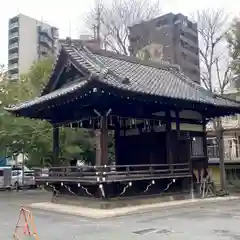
{"points": [[114, 171], [230, 153]]}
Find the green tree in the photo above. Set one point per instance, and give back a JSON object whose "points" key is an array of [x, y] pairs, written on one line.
{"points": [[34, 137], [78, 143], [22, 134]]}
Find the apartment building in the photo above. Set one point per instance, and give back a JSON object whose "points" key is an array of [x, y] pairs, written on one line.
{"points": [[29, 40], [172, 38]]}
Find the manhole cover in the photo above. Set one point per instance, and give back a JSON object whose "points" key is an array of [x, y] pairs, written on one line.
{"points": [[145, 231], [153, 230], [227, 233], [164, 231], [221, 231]]}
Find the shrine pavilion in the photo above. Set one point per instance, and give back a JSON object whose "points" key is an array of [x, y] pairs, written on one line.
{"points": [[157, 114]]}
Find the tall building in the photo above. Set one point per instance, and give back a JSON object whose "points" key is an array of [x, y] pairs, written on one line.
{"points": [[171, 37], [29, 40]]}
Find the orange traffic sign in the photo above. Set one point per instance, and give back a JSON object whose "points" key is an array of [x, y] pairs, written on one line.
{"points": [[25, 226]]}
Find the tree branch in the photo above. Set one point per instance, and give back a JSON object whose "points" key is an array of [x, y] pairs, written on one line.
{"points": [[117, 17]]}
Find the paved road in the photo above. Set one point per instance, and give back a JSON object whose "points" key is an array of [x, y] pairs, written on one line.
{"points": [[205, 221]]}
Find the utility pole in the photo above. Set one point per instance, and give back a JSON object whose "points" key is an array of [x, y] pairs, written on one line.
{"points": [[96, 29], [97, 24], [221, 156], [98, 20]]}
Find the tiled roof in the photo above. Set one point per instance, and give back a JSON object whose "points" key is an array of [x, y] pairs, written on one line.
{"points": [[152, 78], [58, 93], [157, 79]]}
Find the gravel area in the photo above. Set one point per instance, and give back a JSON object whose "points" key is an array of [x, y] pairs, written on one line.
{"points": [[208, 220]]}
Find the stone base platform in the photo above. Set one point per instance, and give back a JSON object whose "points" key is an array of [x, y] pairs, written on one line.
{"points": [[97, 213], [119, 202]]}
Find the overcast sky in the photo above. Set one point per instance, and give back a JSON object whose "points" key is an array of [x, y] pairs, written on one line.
{"points": [[61, 13]]}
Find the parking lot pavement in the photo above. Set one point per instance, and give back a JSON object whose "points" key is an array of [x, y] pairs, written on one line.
{"points": [[209, 221]]}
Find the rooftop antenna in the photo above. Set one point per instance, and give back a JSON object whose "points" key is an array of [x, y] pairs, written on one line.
{"points": [[98, 19], [41, 22], [97, 25], [70, 29]]}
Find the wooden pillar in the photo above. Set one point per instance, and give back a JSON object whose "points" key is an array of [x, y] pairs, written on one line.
{"points": [[104, 140], [101, 139], [55, 145], [205, 142], [98, 147], [168, 140], [190, 166], [116, 141], [178, 135]]}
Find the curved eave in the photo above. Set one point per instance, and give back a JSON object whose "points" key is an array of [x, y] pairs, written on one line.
{"points": [[229, 107], [223, 106], [46, 98]]}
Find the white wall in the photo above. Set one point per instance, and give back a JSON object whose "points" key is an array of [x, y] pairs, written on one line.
{"points": [[28, 38]]}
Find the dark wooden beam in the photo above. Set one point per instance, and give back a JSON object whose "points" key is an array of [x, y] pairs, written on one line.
{"points": [[168, 139], [98, 147], [205, 142], [116, 142], [178, 121], [104, 140]]}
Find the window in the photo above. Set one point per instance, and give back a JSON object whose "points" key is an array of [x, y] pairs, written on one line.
{"points": [[16, 173], [184, 55], [162, 22], [184, 23], [29, 174], [190, 25], [1, 173], [197, 146], [229, 118], [177, 21]]}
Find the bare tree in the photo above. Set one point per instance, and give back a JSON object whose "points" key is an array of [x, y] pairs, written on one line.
{"points": [[110, 22], [223, 79], [212, 28]]}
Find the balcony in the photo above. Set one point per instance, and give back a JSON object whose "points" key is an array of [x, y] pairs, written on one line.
{"points": [[45, 41], [44, 49], [189, 41], [191, 31], [13, 56], [13, 45], [228, 123], [190, 66], [13, 66], [13, 25], [14, 77], [48, 33], [231, 153], [13, 35], [189, 53]]}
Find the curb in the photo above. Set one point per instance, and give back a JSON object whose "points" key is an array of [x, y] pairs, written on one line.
{"points": [[103, 213]]}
